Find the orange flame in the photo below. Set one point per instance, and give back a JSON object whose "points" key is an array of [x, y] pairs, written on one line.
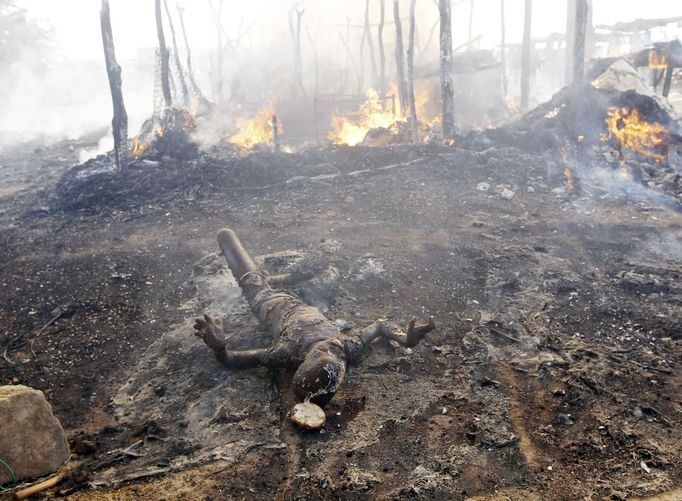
{"points": [[633, 133], [138, 147], [568, 171], [374, 113], [255, 130]]}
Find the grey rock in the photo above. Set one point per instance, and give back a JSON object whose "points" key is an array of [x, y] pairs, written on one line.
{"points": [[32, 441]]}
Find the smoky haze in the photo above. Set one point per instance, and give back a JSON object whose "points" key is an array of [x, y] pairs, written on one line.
{"points": [[60, 89]]}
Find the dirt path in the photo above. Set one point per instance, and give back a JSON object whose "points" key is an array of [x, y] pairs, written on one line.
{"points": [[554, 373]]}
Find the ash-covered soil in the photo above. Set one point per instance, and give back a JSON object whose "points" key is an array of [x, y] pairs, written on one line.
{"points": [[554, 372]]}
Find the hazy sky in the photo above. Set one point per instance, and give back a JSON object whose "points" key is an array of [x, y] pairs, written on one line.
{"points": [[76, 22]]}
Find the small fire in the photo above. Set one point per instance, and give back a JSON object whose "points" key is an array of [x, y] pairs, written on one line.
{"points": [[374, 113], [568, 171], [633, 133], [256, 130], [138, 147], [657, 61]]}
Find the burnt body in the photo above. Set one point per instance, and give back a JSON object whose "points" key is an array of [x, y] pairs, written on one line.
{"points": [[303, 338]]}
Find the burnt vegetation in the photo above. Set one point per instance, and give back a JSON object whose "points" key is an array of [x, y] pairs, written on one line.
{"points": [[383, 172]]}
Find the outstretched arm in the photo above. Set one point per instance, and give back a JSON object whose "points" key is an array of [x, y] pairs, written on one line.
{"points": [[356, 345], [211, 331]]}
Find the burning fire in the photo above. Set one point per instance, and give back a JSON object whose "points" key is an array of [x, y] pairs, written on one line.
{"points": [[633, 133], [377, 112], [374, 113], [256, 130], [138, 147], [657, 61], [568, 172]]}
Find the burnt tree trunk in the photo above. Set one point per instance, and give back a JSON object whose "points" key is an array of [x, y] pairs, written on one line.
{"points": [[370, 45], [471, 23], [119, 123], [190, 72], [667, 82], [410, 74], [570, 41], [216, 12], [503, 50], [446, 86], [295, 29], [176, 57], [165, 56], [380, 42], [581, 12], [315, 62], [399, 58], [525, 55]]}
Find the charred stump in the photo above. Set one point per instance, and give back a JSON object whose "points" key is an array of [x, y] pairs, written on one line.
{"points": [[119, 123]]}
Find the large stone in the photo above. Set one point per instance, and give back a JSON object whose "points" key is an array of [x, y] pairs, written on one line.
{"points": [[32, 441]]}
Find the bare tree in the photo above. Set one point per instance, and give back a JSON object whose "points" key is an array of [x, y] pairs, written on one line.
{"points": [[471, 23], [569, 40], [349, 53], [380, 41], [164, 55], [410, 73], [399, 58], [119, 123], [370, 45], [581, 13], [503, 49], [176, 57], [190, 72], [315, 62], [216, 12], [295, 29], [525, 55], [446, 86]]}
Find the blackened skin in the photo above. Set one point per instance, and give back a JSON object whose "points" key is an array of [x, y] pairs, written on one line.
{"points": [[304, 338]]}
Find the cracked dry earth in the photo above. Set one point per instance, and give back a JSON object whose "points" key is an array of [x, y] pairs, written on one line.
{"points": [[554, 372]]}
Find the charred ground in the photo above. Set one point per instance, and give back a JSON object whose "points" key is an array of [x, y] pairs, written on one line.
{"points": [[559, 320]]}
